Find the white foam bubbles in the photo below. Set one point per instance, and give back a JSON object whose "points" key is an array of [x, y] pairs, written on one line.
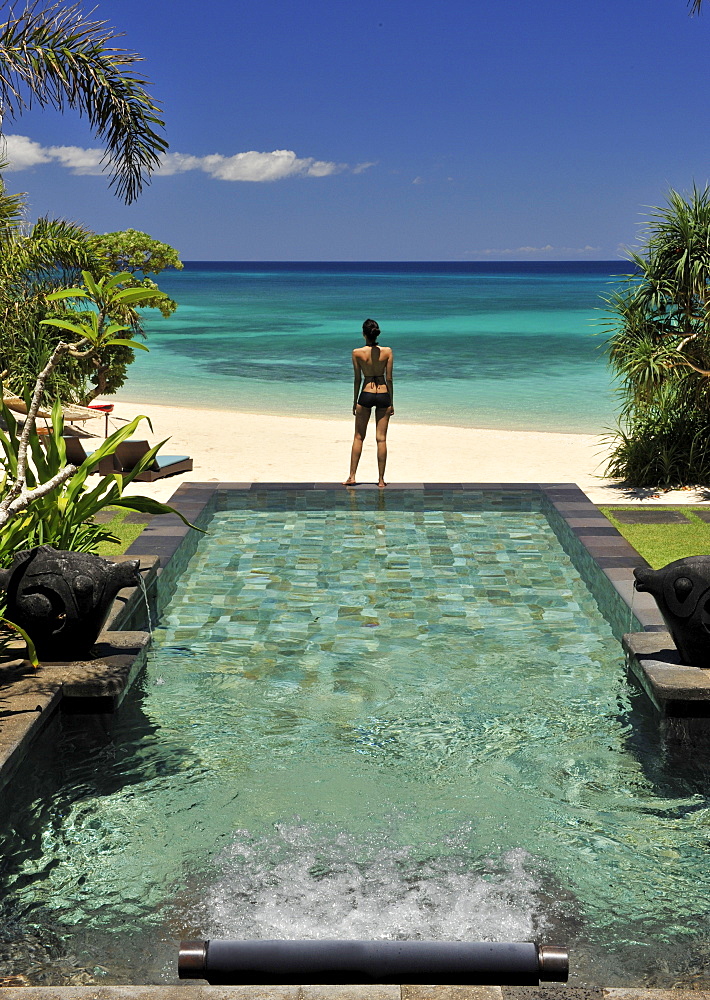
{"points": [[313, 882]]}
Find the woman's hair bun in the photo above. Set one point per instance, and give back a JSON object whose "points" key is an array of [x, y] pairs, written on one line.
{"points": [[371, 329]]}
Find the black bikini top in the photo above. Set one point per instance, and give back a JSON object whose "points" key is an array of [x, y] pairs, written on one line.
{"points": [[374, 378]]}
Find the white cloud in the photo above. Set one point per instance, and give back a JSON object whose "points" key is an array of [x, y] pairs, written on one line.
{"points": [[22, 152], [252, 166], [78, 160], [418, 180], [321, 168], [548, 249], [178, 163], [360, 168]]}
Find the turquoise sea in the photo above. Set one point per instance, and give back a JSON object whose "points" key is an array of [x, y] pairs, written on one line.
{"points": [[513, 345]]}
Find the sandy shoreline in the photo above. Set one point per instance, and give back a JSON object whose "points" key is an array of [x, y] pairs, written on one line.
{"points": [[227, 446]]}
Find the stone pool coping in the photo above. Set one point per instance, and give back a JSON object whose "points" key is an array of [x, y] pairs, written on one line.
{"points": [[195, 991]]}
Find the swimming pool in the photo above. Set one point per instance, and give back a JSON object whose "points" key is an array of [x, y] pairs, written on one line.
{"points": [[367, 715]]}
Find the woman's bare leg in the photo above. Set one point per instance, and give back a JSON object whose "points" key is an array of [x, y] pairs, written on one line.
{"points": [[383, 418], [362, 416]]}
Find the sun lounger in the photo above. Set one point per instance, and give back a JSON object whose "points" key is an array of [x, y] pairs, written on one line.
{"points": [[130, 452], [77, 453]]}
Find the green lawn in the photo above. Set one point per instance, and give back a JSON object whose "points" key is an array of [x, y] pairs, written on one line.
{"points": [[126, 533], [662, 543]]}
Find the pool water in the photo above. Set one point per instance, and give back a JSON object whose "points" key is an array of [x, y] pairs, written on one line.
{"points": [[378, 719]]}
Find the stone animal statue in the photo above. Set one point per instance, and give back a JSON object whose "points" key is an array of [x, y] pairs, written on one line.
{"points": [[682, 592], [61, 599]]}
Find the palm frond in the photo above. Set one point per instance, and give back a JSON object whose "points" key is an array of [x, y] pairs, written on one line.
{"points": [[52, 245], [54, 56], [12, 209]]}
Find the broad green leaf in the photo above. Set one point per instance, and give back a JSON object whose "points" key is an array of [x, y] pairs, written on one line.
{"points": [[67, 293], [136, 345], [128, 295], [147, 505], [31, 651], [114, 328], [65, 324], [92, 286]]}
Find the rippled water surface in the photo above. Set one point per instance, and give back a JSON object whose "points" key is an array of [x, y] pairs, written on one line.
{"points": [[366, 722]]}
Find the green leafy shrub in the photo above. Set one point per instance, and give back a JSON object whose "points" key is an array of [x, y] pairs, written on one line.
{"points": [[659, 349], [665, 443], [63, 517]]}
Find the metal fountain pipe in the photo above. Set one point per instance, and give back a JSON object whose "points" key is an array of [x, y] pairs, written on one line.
{"points": [[252, 963]]}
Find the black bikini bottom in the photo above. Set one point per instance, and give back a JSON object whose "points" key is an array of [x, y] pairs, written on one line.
{"points": [[378, 399]]}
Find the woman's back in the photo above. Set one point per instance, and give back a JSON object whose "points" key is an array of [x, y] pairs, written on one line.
{"points": [[372, 359]]}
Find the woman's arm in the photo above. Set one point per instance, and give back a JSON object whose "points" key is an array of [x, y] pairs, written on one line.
{"points": [[389, 378], [357, 379]]}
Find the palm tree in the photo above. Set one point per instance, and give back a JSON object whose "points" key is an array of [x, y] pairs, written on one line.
{"points": [[660, 349], [55, 57], [695, 6]]}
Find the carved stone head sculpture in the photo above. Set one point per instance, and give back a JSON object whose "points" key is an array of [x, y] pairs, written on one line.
{"points": [[61, 599], [682, 593]]}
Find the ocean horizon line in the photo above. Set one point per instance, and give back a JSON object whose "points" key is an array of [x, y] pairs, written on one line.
{"points": [[602, 261]]}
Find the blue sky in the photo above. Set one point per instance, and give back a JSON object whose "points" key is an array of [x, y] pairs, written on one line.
{"points": [[419, 130]]}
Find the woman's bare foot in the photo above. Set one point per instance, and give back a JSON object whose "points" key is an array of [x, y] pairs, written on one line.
{"points": [[350, 481], [381, 483]]}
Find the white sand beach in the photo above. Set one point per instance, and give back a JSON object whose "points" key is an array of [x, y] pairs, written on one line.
{"points": [[227, 446]]}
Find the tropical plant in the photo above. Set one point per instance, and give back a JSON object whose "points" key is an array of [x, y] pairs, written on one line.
{"points": [[54, 56], [63, 515], [31, 264], [96, 331], [52, 255], [659, 349], [44, 500], [140, 255]]}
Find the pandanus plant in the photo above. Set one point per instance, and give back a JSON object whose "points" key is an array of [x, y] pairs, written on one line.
{"points": [[659, 349]]}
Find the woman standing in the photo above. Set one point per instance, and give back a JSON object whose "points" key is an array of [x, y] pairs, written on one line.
{"points": [[372, 366]]}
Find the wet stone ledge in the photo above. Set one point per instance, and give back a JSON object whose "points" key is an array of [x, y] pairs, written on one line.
{"points": [[30, 698], [101, 683], [675, 689], [195, 991]]}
